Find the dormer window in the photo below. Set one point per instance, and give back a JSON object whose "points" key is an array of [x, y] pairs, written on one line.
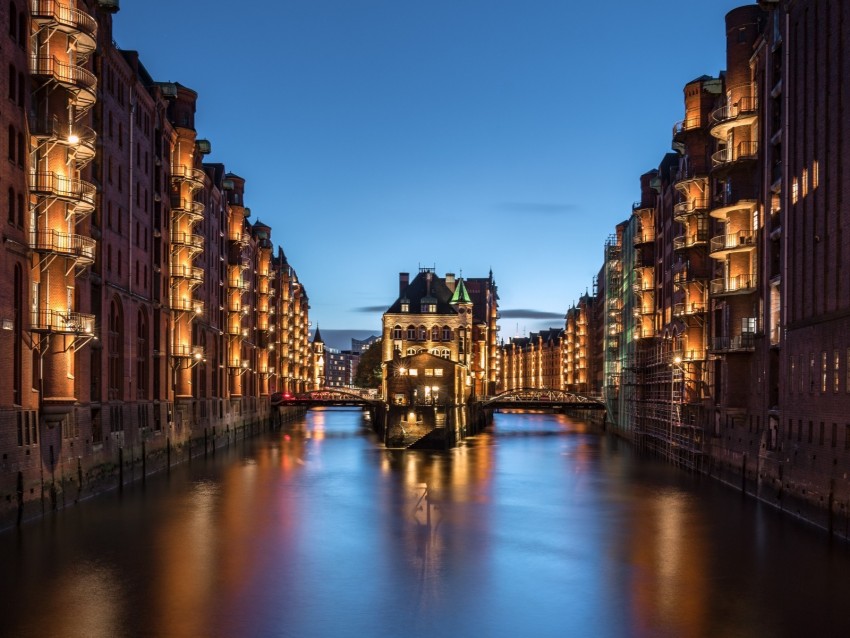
{"points": [[405, 304], [429, 307]]}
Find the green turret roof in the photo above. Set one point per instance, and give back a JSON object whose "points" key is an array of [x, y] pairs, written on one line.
{"points": [[460, 295]]}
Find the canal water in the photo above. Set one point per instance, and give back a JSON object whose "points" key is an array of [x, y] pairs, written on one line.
{"points": [[537, 527]]}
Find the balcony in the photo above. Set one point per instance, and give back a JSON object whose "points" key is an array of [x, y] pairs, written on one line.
{"points": [[644, 237], [78, 193], [237, 283], [187, 304], [642, 310], [239, 237], [194, 211], [193, 243], [741, 113], [741, 152], [689, 309], [54, 242], [234, 328], [685, 242], [187, 351], [75, 78], [690, 355], [683, 126], [59, 15], [73, 323], [722, 245], [194, 177], [735, 285], [744, 342], [80, 140], [193, 275], [683, 210]]}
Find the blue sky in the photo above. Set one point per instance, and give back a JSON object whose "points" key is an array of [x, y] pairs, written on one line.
{"points": [[380, 135]]}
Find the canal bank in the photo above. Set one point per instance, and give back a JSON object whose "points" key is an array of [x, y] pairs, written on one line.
{"points": [[58, 476]]}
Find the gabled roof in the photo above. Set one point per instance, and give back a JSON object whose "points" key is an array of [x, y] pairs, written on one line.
{"points": [[417, 290]]}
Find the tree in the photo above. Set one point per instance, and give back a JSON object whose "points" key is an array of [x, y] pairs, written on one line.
{"points": [[368, 374]]}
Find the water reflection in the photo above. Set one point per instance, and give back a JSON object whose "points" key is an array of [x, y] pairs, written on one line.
{"points": [[535, 527]]}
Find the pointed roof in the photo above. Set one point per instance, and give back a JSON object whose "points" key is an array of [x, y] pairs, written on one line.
{"points": [[461, 295], [318, 337]]}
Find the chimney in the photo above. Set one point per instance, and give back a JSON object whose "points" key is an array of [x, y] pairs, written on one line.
{"points": [[403, 281], [450, 281]]}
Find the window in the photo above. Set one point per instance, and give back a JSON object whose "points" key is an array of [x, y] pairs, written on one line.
{"points": [[792, 375], [21, 150], [435, 334], [397, 332], [115, 349], [413, 372], [20, 210], [22, 94], [13, 74], [141, 356], [13, 21], [447, 335], [438, 372], [836, 366], [811, 431], [11, 205], [429, 372], [12, 138], [411, 333], [109, 257], [811, 372], [823, 371], [834, 434], [423, 333]]}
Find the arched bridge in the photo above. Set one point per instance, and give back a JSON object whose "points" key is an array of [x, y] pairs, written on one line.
{"points": [[319, 398], [541, 398]]}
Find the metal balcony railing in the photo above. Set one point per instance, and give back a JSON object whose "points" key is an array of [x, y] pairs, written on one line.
{"points": [[69, 20], [689, 207], [745, 107], [684, 242], [194, 177], [187, 351], [238, 284], [188, 240], [742, 240], [644, 237], [740, 152], [65, 244], [81, 81], [240, 237], [62, 322], [690, 308], [75, 191], [79, 138], [685, 125], [742, 283], [744, 342], [187, 304], [191, 273], [192, 209]]}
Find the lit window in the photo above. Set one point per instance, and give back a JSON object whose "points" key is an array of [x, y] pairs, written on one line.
{"points": [[795, 190], [815, 174], [438, 372], [836, 382], [823, 371], [414, 372], [429, 372]]}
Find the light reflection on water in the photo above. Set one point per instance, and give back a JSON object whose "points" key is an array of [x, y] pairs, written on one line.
{"points": [[538, 527]]}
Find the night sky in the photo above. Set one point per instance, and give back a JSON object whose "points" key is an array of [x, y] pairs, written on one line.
{"points": [[377, 136]]}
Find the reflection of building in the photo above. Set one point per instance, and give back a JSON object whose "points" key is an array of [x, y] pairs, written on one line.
{"points": [[139, 303], [439, 316]]}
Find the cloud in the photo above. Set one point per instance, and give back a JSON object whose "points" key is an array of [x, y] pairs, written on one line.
{"points": [[525, 313], [371, 309], [536, 208]]}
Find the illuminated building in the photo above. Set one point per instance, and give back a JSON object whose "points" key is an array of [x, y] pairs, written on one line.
{"points": [[536, 361], [125, 260]]}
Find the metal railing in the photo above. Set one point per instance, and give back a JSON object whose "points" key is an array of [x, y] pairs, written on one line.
{"points": [[185, 350], [737, 283], [691, 308], [187, 304], [187, 207], [193, 176], [66, 16], [747, 105], [689, 207], [743, 342], [685, 125], [239, 236], [77, 136], [190, 240], [743, 239], [683, 242], [65, 322], [731, 154], [62, 187], [66, 244], [192, 273], [68, 74], [644, 237]]}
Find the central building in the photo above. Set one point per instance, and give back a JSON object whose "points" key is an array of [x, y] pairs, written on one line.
{"points": [[439, 342]]}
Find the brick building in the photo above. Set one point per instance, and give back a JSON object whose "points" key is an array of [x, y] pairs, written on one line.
{"points": [[139, 305]]}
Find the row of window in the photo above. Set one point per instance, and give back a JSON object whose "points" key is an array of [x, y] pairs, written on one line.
{"points": [[822, 373], [422, 333], [428, 372]]}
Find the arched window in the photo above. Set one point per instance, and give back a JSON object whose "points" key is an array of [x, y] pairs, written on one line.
{"points": [[397, 332], [411, 333], [115, 350], [446, 353], [423, 333], [142, 369], [435, 334], [412, 351], [447, 333]]}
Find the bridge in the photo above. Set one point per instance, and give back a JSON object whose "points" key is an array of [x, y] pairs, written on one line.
{"points": [[541, 398], [323, 398]]}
